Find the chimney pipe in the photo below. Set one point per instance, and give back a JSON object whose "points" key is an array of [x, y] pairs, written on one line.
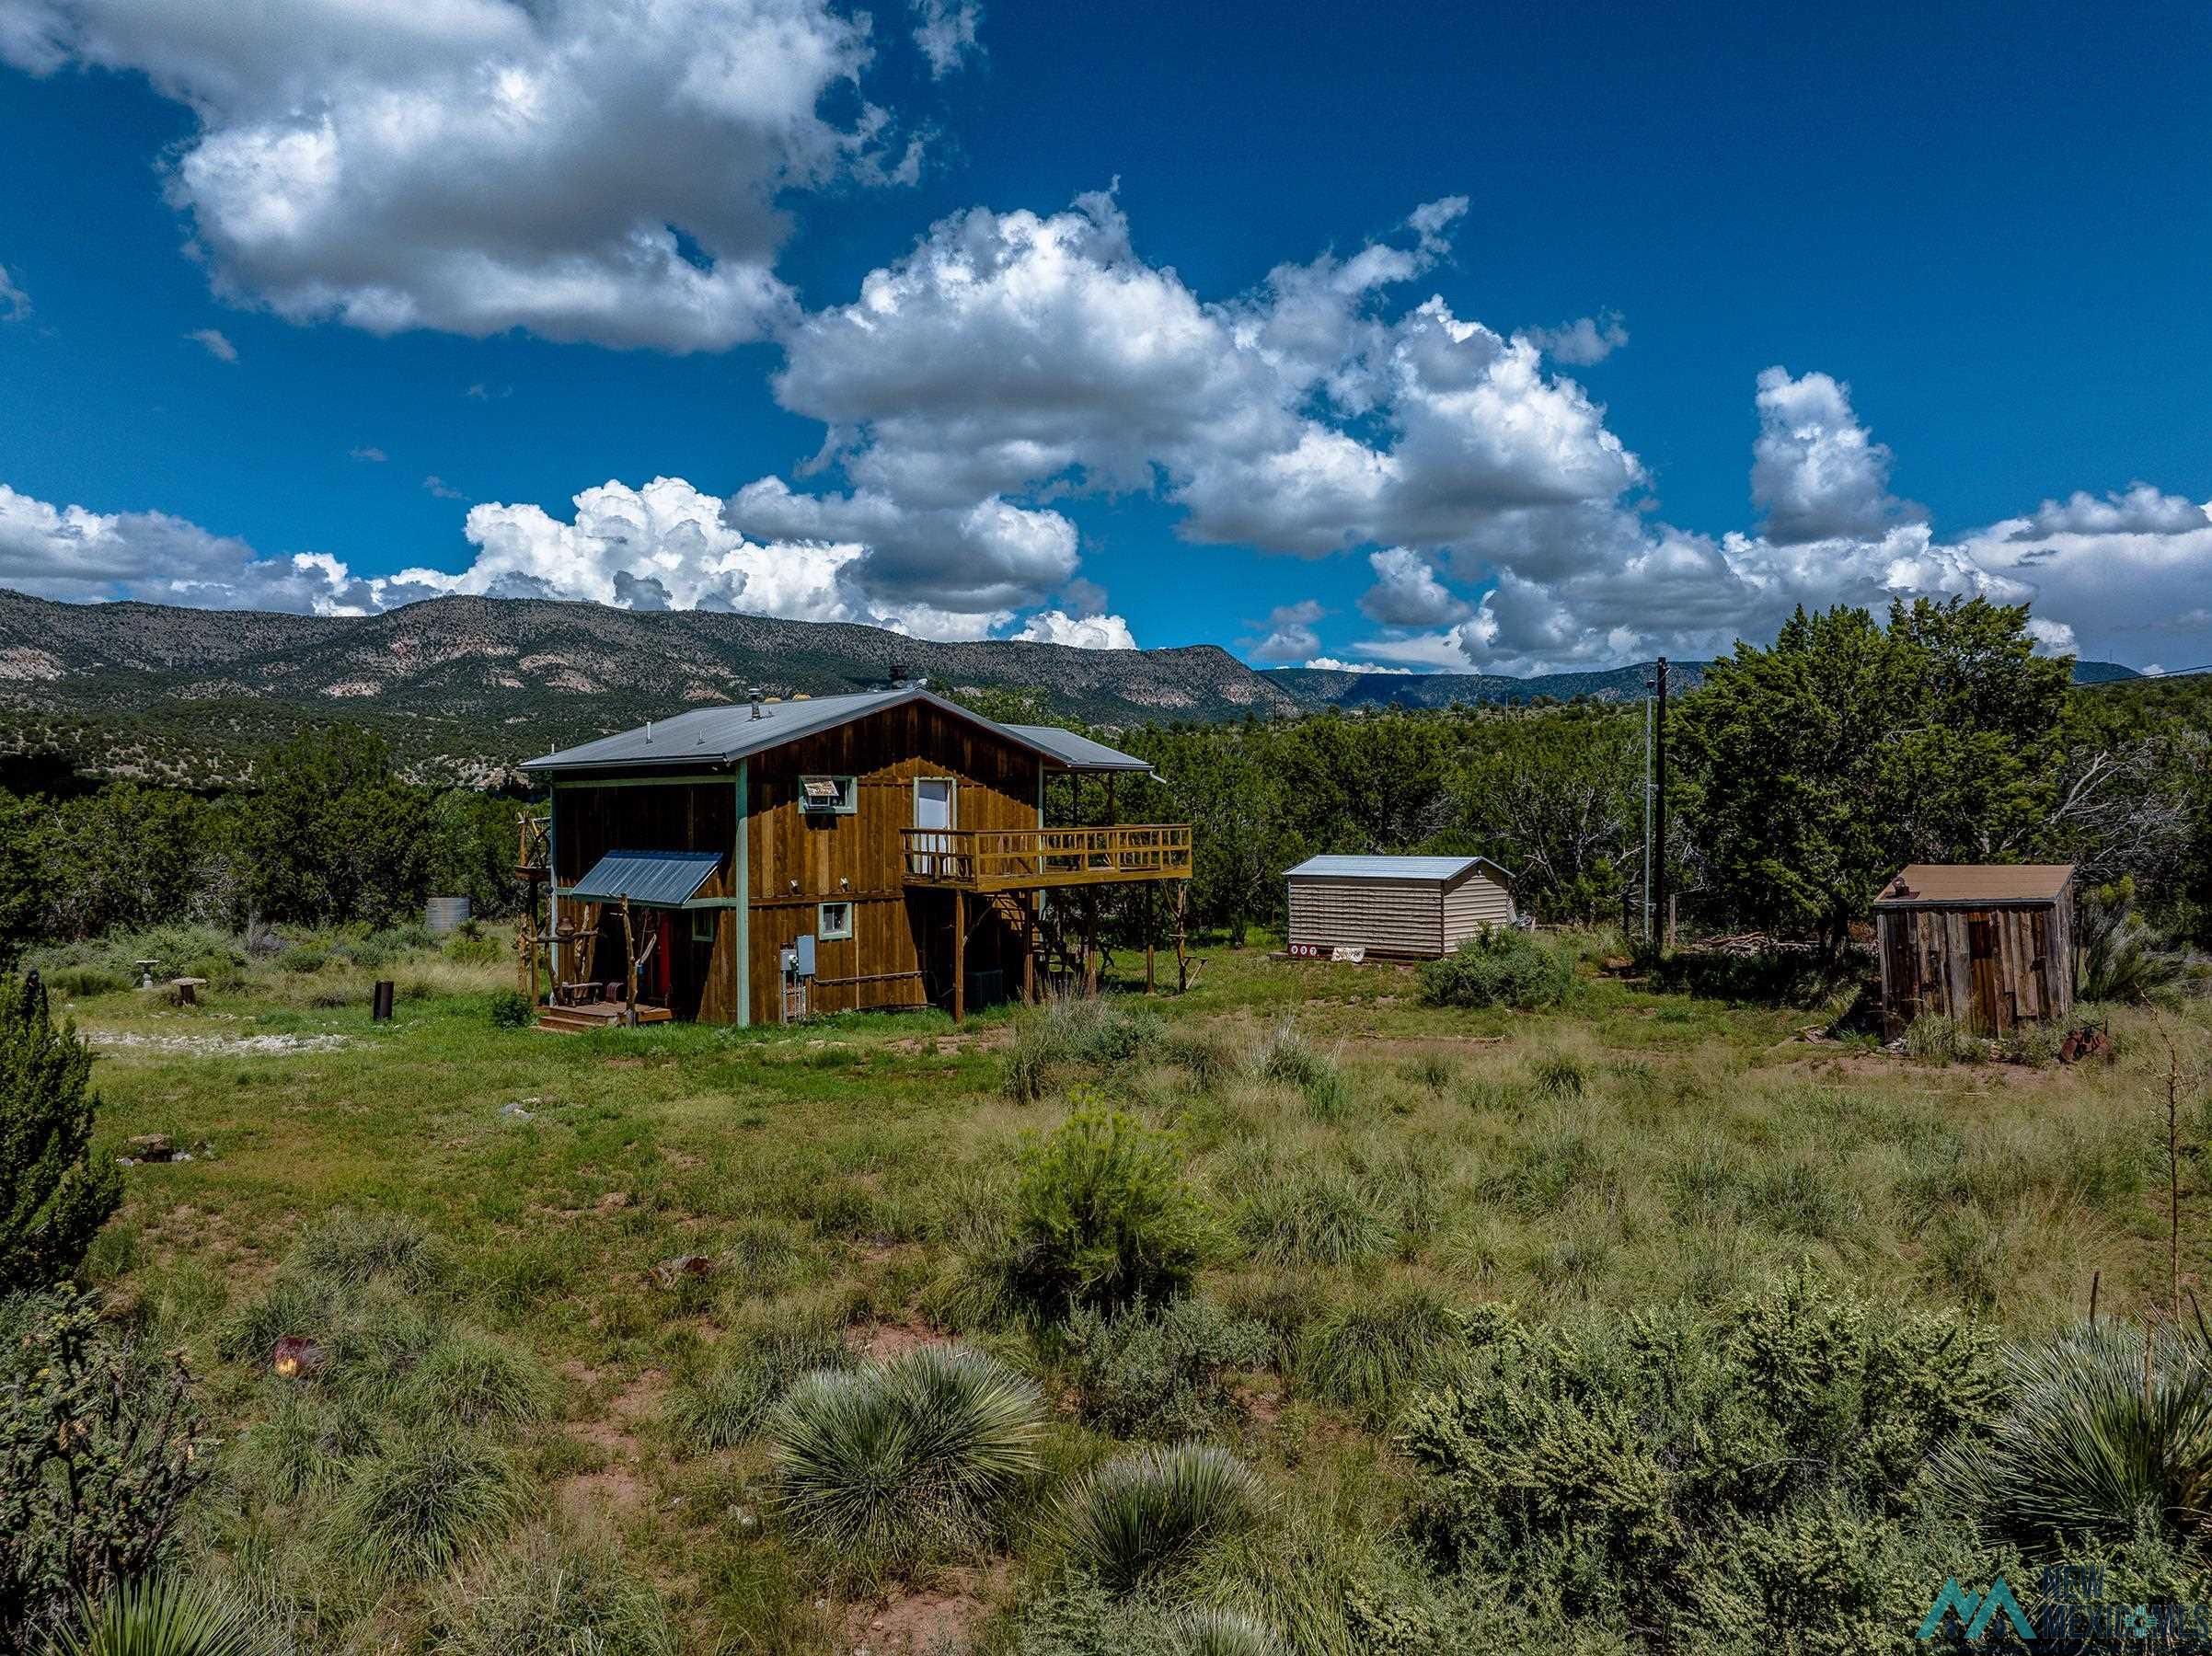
{"points": [[752, 695]]}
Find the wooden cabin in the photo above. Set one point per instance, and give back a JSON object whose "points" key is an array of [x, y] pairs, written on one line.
{"points": [[1991, 945], [1408, 907], [753, 863]]}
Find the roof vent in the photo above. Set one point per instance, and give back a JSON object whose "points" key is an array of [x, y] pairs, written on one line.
{"points": [[753, 696]]}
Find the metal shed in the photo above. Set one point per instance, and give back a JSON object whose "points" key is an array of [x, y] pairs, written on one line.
{"points": [[1991, 945], [1416, 907]]}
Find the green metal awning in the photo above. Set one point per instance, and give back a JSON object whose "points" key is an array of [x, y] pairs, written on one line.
{"points": [[662, 878]]}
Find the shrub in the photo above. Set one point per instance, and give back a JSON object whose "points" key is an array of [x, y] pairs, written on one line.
{"points": [[1160, 1373], [1499, 966], [81, 982], [1943, 1039], [1146, 1515], [303, 959], [510, 1009], [2099, 1437], [161, 1618], [1665, 1469], [1103, 1216], [1366, 1354], [100, 1450], [2123, 959], [2033, 1044], [426, 1502], [1071, 1031], [730, 1405], [556, 1600], [54, 1192], [888, 1464]]}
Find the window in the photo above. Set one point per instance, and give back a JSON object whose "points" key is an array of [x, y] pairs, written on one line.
{"points": [[828, 796], [834, 921], [702, 926]]}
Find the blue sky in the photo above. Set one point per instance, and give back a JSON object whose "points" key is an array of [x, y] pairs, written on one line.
{"points": [[1973, 245]]}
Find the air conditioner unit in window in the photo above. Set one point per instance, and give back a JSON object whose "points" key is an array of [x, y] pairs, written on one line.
{"points": [[829, 794]]}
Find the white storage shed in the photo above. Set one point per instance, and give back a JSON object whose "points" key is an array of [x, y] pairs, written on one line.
{"points": [[1414, 907]]}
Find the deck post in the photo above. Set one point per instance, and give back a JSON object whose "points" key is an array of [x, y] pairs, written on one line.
{"points": [[1032, 923], [1151, 925], [960, 955], [1090, 944], [1182, 959], [629, 968]]}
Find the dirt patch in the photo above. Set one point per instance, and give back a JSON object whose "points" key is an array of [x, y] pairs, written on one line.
{"points": [[619, 1488], [602, 1497], [951, 1046], [1890, 1066], [884, 1340], [939, 1618], [216, 1046]]}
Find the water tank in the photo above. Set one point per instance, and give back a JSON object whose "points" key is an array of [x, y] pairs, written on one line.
{"points": [[445, 914]]}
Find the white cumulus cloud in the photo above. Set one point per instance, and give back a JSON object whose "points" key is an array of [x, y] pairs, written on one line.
{"points": [[585, 170], [1082, 632]]}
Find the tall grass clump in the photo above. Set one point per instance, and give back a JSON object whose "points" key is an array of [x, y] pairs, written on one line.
{"points": [[884, 1466], [1101, 1217], [1499, 966], [1941, 1039], [1313, 1216], [1367, 1355], [1146, 1516], [349, 1248], [1071, 1032], [2121, 957], [468, 1380], [2100, 1437], [159, 1616], [1284, 1055], [554, 1599], [731, 1404], [426, 1502]]}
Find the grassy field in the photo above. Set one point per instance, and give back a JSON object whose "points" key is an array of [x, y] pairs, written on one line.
{"points": [[487, 1226]]}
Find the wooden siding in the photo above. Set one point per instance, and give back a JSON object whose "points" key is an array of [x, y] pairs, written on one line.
{"points": [[1992, 968], [1476, 901], [901, 949]]}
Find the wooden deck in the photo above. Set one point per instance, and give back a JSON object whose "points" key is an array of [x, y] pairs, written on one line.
{"points": [[1017, 859], [596, 1015]]}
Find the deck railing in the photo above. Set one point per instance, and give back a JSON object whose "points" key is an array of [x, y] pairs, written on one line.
{"points": [[1000, 859]]}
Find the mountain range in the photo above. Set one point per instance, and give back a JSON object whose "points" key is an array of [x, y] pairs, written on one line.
{"points": [[464, 688]]}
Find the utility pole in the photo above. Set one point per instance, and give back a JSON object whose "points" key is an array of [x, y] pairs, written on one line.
{"points": [[1659, 811], [1645, 894]]}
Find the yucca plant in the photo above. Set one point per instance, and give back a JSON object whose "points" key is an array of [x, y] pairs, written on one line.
{"points": [[1224, 1633], [155, 1617], [1146, 1515], [2100, 1433], [886, 1463]]}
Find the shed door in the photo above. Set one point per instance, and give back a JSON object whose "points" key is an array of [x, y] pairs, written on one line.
{"points": [[1981, 953]]}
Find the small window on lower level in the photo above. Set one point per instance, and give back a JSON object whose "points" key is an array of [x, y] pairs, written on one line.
{"points": [[702, 926], [832, 921]]}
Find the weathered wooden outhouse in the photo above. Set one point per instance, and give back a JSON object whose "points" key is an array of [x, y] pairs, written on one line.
{"points": [[1418, 907], [1991, 945]]}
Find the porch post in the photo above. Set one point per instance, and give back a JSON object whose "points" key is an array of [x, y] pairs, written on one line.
{"points": [[960, 955]]}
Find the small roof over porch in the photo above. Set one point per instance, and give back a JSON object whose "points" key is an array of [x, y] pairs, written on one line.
{"points": [[657, 878]]}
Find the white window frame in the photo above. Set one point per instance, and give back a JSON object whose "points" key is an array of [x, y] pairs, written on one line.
{"points": [[822, 926], [848, 796], [702, 917]]}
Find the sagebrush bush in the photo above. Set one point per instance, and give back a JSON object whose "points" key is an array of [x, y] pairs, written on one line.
{"points": [[1499, 966], [2099, 1437], [886, 1464], [1146, 1515], [1665, 1469], [1101, 1216], [731, 1404], [1160, 1374]]}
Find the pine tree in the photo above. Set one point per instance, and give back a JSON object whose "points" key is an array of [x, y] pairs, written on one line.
{"points": [[53, 1197]]}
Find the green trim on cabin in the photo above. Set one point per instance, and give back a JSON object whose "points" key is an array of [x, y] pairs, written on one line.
{"points": [[741, 881], [689, 781]]}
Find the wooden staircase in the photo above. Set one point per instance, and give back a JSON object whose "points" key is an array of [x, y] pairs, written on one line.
{"points": [[1058, 952]]}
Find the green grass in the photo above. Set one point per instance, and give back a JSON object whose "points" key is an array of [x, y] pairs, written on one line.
{"points": [[511, 1380]]}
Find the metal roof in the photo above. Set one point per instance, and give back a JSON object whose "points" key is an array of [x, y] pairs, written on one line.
{"points": [[722, 735], [1953, 883], [1078, 752], [1442, 869], [665, 877]]}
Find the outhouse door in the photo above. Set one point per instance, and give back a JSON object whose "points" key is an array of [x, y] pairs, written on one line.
{"points": [[1981, 953]]}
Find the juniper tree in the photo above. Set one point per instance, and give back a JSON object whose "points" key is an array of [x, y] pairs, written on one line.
{"points": [[53, 1195]]}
